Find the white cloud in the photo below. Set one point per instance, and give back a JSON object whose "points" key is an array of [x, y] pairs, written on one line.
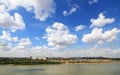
{"points": [[23, 46], [92, 52], [11, 22], [59, 36], [101, 21], [4, 46], [97, 35], [7, 36], [2, 8], [80, 27], [10, 43], [6, 41], [72, 10], [25, 42], [39, 51], [42, 9], [92, 1], [97, 52]]}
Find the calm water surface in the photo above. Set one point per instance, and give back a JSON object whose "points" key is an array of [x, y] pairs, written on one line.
{"points": [[63, 69]]}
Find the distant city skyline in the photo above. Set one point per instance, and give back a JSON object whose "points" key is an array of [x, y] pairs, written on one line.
{"points": [[59, 28]]}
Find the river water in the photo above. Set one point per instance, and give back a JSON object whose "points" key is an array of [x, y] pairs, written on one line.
{"points": [[62, 69]]}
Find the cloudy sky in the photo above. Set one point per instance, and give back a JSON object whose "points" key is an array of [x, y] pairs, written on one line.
{"points": [[59, 28]]}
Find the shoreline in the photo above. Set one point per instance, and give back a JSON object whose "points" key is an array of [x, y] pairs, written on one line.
{"points": [[57, 63], [47, 61]]}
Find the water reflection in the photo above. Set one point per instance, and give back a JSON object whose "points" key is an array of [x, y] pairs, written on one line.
{"points": [[30, 69], [64, 69]]}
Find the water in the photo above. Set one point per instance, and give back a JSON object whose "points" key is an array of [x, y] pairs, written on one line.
{"points": [[63, 69]]}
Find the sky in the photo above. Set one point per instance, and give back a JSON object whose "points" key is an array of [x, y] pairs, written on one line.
{"points": [[59, 28]]}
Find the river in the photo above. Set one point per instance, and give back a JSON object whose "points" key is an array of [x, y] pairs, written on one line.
{"points": [[62, 69]]}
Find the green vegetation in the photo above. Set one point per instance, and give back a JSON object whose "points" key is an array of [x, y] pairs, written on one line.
{"points": [[30, 61], [25, 61]]}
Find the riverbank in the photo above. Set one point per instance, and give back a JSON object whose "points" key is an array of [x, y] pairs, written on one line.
{"points": [[29, 61]]}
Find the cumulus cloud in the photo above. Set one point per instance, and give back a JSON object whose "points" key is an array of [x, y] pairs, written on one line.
{"points": [[2, 8], [80, 27], [46, 52], [42, 9], [22, 46], [72, 10], [10, 43], [4, 46], [6, 41], [7, 21], [92, 52], [59, 36], [25, 42], [97, 52], [97, 35], [7, 36], [92, 1], [11, 22], [101, 21]]}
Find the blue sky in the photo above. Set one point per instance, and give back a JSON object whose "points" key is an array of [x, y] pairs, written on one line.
{"points": [[59, 28]]}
